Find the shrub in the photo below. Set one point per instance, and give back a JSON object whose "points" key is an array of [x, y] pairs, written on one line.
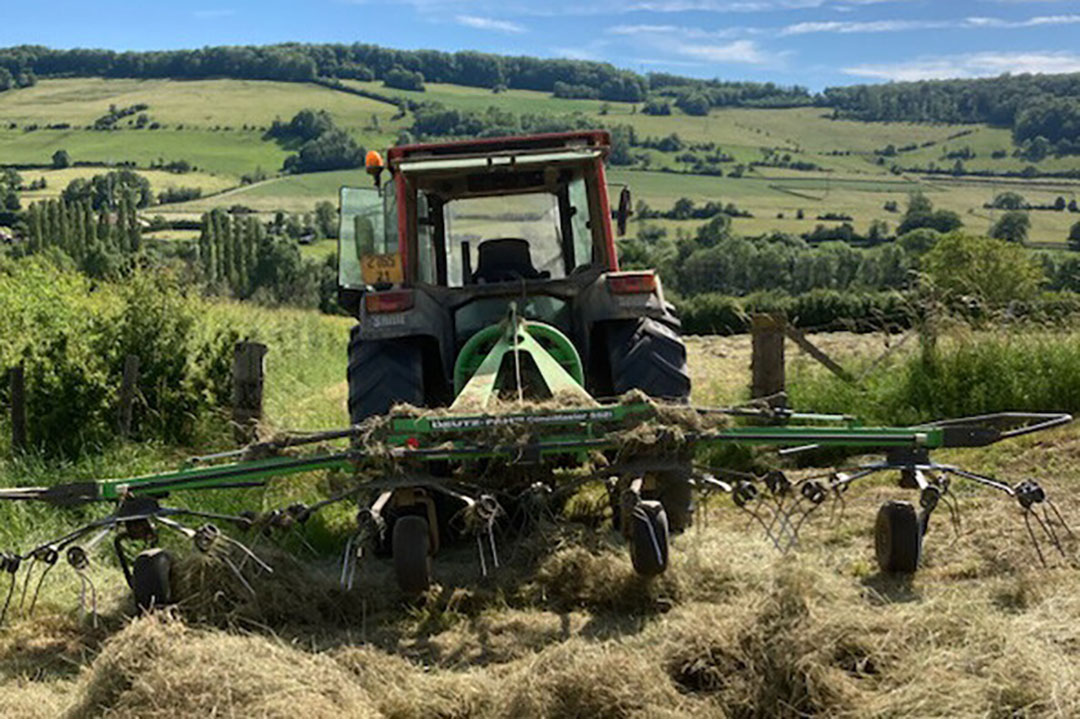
{"points": [[73, 336], [995, 271]]}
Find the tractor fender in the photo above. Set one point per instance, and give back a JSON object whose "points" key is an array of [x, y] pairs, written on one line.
{"points": [[596, 304]]}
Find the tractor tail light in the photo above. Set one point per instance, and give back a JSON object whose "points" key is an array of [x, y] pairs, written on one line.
{"points": [[382, 302], [632, 283]]}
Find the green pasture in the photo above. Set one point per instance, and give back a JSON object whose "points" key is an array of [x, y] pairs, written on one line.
{"points": [[192, 103], [231, 153], [57, 180]]}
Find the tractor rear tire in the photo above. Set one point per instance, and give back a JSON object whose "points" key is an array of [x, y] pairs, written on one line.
{"points": [[649, 538], [897, 538], [383, 373], [649, 355], [151, 580], [411, 546]]}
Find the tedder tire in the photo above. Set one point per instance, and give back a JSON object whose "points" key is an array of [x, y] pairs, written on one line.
{"points": [[383, 373], [412, 554], [649, 538], [150, 579], [677, 496], [649, 355], [897, 538]]}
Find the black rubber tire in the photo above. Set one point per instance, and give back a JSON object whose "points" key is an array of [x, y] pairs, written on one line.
{"points": [[649, 538], [383, 373], [649, 355], [677, 496], [897, 538], [151, 579], [411, 547]]}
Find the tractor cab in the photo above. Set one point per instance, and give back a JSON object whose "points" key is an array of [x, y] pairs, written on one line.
{"points": [[481, 213]]}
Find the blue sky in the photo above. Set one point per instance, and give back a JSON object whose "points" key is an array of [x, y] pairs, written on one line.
{"points": [[810, 42]]}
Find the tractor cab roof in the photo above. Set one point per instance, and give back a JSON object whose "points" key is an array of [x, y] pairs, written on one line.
{"points": [[564, 146]]}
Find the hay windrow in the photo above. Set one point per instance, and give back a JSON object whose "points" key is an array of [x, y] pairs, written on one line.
{"points": [[159, 667]]}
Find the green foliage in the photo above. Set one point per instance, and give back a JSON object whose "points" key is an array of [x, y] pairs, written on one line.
{"points": [[102, 244], [404, 79], [1012, 226], [61, 159], [106, 191], [964, 374], [921, 215], [73, 337], [322, 145], [1008, 201], [657, 106], [1074, 236], [821, 309], [919, 241], [993, 270], [693, 103]]}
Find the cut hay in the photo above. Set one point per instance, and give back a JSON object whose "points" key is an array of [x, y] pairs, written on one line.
{"points": [[159, 667]]}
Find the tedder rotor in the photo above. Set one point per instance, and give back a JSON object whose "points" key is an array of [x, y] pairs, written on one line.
{"points": [[501, 364]]}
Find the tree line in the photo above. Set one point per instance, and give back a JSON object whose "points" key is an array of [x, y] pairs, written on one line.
{"points": [[305, 62], [102, 241], [1034, 106]]}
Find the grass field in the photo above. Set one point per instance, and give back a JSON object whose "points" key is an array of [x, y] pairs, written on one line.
{"points": [[57, 180], [192, 103], [232, 153]]}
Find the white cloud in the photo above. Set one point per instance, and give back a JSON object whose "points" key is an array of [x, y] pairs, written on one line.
{"points": [[740, 51], [837, 26], [844, 27], [488, 23], [690, 32], [980, 64], [1030, 22]]}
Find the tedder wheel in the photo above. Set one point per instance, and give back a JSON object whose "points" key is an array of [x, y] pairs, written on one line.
{"points": [[150, 580], [412, 555], [897, 538], [649, 538], [677, 496]]}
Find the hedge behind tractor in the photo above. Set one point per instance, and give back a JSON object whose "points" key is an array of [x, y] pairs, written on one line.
{"points": [[502, 363]]}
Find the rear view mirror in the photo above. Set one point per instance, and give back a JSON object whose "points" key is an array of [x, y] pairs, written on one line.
{"points": [[622, 215]]}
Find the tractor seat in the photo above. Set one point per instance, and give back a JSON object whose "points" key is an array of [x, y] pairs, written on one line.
{"points": [[504, 260]]}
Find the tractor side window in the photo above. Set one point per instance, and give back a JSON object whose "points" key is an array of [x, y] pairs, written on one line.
{"points": [[364, 231], [579, 221], [425, 240]]}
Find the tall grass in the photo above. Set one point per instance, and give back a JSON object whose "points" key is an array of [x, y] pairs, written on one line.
{"points": [[965, 373]]}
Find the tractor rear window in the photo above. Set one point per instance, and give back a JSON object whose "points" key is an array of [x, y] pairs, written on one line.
{"points": [[506, 238]]}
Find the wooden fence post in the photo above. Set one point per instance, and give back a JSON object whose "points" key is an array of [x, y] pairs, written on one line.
{"points": [[17, 378], [126, 398], [767, 361], [247, 389]]}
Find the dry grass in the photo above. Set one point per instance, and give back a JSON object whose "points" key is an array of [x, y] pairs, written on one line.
{"points": [[565, 629]]}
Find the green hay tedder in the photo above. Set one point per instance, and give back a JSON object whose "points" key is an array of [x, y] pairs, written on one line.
{"points": [[486, 285]]}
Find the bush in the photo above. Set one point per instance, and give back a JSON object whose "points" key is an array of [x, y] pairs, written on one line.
{"points": [[715, 313], [73, 337], [961, 375], [995, 271]]}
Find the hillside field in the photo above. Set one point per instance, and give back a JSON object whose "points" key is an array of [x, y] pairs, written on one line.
{"points": [[219, 125]]}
